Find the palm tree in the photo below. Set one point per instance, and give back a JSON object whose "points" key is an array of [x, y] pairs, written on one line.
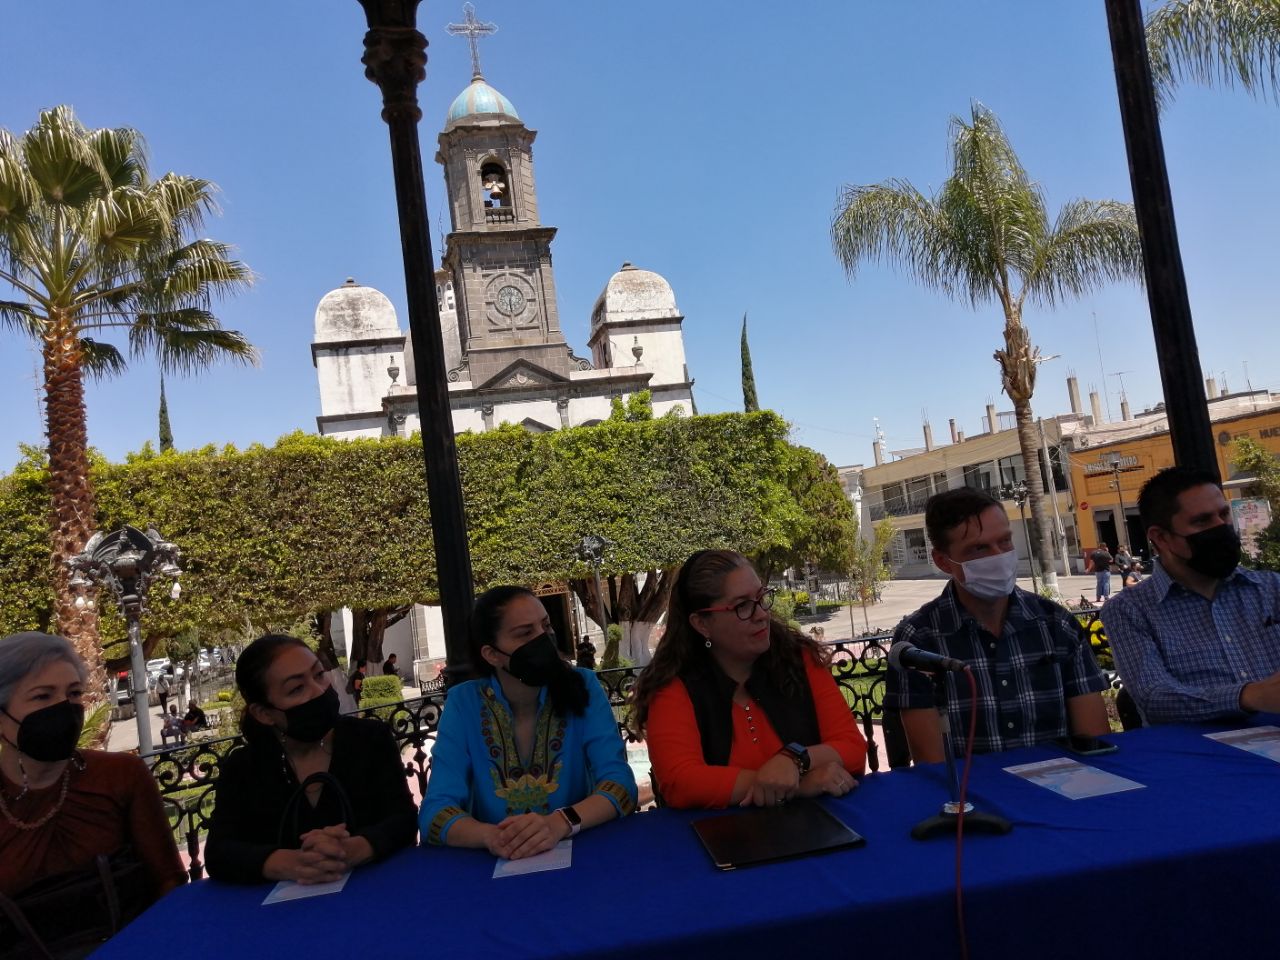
{"points": [[1208, 41], [986, 236], [92, 246]]}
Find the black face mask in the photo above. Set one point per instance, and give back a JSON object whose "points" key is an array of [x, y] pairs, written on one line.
{"points": [[50, 734], [1214, 552], [538, 662], [308, 722]]}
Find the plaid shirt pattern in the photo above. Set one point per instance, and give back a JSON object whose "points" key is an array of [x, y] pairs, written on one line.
{"points": [[1024, 677], [1185, 658]]}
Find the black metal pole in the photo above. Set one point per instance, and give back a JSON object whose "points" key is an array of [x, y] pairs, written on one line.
{"points": [[395, 59], [1175, 337]]}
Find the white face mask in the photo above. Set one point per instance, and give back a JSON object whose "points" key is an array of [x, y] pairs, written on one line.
{"points": [[991, 577]]}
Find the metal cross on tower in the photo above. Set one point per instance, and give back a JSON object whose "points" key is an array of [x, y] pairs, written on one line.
{"points": [[473, 30]]}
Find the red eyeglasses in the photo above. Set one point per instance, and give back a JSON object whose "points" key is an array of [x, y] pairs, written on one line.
{"points": [[745, 609]]}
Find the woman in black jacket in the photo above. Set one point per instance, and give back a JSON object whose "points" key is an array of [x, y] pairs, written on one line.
{"points": [[311, 794]]}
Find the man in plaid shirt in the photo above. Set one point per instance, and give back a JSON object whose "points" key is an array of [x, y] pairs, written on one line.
{"points": [[1200, 637], [1036, 676]]}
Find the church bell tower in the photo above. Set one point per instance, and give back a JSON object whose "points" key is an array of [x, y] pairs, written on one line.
{"points": [[499, 252]]}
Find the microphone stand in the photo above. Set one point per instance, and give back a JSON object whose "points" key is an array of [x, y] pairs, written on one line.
{"points": [[945, 822]]}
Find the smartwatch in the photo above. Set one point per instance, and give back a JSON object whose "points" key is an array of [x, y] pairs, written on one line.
{"points": [[799, 755], [571, 817]]}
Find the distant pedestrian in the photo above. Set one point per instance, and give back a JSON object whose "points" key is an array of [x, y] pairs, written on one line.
{"points": [[164, 687], [355, 683], [1100, 565], [1125, 565], [389, 668]]}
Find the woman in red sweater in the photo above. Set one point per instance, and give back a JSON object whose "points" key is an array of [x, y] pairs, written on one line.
{"points": [[736, 707]]}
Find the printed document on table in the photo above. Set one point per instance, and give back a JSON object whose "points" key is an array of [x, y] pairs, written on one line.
{"points": [[292, 890], [1264, 741], [1073, 779], [557, 858]]}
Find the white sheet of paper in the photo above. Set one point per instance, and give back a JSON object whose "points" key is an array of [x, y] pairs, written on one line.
{"points": [[292, 890], [1264, 741], [557, 858], [1072, 779]]}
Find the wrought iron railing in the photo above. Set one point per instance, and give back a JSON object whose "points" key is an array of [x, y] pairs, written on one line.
{"points": [[188, 774]]}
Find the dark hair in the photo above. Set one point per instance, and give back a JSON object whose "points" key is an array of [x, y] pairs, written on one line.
{"points": [[251, 678], [698, 585], [567, 692], [945, 511], [1158, 498]]}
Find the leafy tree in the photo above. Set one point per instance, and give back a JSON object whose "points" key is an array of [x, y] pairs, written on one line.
{"points": [[166, 431], [638, 406], [310, 525], [749, 402], [986, 235], [91, 245], [1215, 41], [813, 517], [1252, 457], [866, 565]]}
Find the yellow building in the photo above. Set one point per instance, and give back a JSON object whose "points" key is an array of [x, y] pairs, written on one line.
{"points": [[1133, 451]]}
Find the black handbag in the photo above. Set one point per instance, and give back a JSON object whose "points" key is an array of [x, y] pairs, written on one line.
{"points": [[69, 915]]}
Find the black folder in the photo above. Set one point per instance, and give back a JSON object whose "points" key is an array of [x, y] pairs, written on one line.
{"points": [[767, 834]]}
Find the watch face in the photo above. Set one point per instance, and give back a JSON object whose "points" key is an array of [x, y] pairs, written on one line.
{"points": [[510, 301]]}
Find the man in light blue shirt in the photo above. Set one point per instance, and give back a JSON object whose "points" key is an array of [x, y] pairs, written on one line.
{"points": [[1200, 638]]}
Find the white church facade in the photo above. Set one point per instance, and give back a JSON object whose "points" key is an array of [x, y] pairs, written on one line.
{"points": [[506, 356], [507, 359]]}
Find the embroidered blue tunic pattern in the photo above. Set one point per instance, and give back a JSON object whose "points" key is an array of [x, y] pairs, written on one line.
{"points": [[476, 769]]}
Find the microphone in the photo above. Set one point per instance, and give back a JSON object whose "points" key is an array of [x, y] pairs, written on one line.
{"points": [[905, 654]]}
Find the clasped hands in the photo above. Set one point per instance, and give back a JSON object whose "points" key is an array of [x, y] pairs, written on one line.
{"points": [[778, 780], [326, 854], [526, 834]]}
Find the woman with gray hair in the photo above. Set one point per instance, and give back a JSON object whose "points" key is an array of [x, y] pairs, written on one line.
{"points": [[66, 812]]}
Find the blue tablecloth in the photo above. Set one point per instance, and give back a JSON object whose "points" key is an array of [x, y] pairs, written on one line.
{"points": [[1189, 865]]}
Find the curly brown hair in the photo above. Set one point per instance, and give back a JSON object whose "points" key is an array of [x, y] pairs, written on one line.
{"points": [[698, 585]]}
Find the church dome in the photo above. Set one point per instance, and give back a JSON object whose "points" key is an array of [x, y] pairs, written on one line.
{"points": [[634, 294], [353, 312], [480, 98]]}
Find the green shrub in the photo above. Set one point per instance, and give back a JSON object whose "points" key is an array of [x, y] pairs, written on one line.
{"points": [[612, 642], [225, 696], [383, 689], [784, 606]]}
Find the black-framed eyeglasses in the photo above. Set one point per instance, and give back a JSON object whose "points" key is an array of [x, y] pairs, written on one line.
{"points": [[745, 609]]}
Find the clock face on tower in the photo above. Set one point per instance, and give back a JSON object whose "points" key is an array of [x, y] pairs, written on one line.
{"points": [[510, 301]]}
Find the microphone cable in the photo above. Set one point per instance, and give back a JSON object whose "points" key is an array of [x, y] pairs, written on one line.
{"points": [[964, 791]]}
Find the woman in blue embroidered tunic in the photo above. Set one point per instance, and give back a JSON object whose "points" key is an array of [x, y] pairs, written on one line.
{"points": [[530, 754]]}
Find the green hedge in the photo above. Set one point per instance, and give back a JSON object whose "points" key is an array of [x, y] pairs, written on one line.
{"points": [[380, 688], [272, 534]]}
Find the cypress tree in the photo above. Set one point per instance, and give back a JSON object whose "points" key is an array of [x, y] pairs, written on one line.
{"points": [[749, 402], [166, 432]]}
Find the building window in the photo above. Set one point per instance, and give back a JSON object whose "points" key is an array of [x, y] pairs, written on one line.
{"points": [[977, 476], [917, 546]]}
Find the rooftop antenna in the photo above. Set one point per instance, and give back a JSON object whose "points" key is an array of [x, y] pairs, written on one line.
{"points": [[1106, 396], [473, 30], [1120, 374], [1249, 385]]}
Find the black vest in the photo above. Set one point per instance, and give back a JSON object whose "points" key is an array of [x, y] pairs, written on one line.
{"points": [[793, 717]]}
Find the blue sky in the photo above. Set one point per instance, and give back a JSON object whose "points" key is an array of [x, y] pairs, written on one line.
{"points": [[705, 141]]}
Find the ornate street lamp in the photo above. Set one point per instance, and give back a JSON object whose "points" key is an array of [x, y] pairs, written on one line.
{"points": [[591, 550], [395, 58], [1122, 522], [1017, 492], [126, 562]]}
